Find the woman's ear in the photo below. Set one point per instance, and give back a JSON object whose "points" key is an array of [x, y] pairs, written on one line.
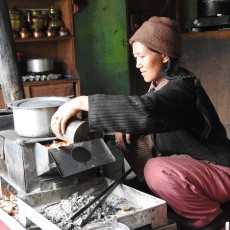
{"points": [[165, 58]]}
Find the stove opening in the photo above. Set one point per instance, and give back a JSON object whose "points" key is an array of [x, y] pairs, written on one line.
{"points": [[56, 144], [81, 154]]}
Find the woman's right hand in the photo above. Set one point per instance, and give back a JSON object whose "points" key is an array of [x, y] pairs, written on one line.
{"points": [[66, 111]]}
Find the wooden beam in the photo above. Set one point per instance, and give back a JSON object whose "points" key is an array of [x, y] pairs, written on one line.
{"points": [[10, 79]]}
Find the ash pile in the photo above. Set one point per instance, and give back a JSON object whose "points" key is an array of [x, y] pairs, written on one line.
{"points": [[59, 213]]}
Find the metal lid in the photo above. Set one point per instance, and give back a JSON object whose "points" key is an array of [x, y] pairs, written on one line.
{"points": [[40, 102]]}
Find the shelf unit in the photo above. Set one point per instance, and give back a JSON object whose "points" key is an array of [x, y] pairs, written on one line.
{"points": [[219, 34], [60, 49]]}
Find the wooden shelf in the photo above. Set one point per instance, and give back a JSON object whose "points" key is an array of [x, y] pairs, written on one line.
{"points": [[208, 34], [49, 82], [61, 87], [44, 39], [60, 49]]}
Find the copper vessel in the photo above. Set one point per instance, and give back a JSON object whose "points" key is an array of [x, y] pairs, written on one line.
{"points": [[16, 18], [55, 19], [38, 33], [24, 33], [51, 32], [37, 19]]}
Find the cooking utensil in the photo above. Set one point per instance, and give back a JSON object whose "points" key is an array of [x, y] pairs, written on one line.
{"points": [[39, 65], [209, 8], [32, 116], [114, 223], [24, 33], [16, 18], [227, 226], [55, 19], [38, 33], [101, 196], [37, 19]]}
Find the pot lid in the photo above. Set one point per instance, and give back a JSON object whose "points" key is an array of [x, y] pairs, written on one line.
{"points": [[40, 102]]}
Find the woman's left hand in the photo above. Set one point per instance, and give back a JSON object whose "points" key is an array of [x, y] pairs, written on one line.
{"points": [[122, 140]]}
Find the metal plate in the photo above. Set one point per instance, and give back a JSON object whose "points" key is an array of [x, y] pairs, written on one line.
{"points": [[40, 102]]}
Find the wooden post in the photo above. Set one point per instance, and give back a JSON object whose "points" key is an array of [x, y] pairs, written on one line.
{"points": [[10, 79]]}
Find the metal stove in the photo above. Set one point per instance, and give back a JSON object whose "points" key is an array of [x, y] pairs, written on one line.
{"points": [[43, 174], [32, 165]]}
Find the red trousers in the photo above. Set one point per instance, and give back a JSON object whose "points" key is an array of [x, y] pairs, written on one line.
{"points": [[194, 189]]}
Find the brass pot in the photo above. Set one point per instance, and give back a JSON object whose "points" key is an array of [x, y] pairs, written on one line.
{"points": [[16, 24], [55, 19], [51, 32], [24, 33], [63, 32], [16, 18], [15, 13], [38, 33], [36, 19]]}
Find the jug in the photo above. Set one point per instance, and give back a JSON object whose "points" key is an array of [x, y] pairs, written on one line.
{"points": [[16, 18], [55, 20], [37, 19]]}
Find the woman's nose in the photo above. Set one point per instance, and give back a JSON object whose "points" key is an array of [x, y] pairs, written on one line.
{"points": [[138, 63]]}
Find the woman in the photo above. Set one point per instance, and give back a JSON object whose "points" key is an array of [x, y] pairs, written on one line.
{"points": [[172, 135]]}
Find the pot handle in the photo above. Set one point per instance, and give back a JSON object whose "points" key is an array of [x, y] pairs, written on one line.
{"points": [[6, 111], [10, 106]]}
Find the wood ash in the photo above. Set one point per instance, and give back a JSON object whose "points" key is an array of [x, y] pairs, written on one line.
{"points": [[60, 212]]}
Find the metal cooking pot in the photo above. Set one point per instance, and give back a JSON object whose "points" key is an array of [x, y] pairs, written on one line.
{"points": [[39, 65], [208, 8], [32, 116]]}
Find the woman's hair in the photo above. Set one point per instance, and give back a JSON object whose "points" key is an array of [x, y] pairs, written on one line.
{"points": [[170, 66]]}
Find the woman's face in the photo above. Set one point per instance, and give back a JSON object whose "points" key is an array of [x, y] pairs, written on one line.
{"points": [[149, 62]]}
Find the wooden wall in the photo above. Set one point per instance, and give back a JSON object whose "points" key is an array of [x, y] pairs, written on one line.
{"points": [[207, 54]]}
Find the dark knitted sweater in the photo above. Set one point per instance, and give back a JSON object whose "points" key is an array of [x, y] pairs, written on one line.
{"points": [[180, 117]]}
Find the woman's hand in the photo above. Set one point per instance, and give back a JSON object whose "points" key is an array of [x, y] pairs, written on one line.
{"points": [[122, 140], [66, 111]]}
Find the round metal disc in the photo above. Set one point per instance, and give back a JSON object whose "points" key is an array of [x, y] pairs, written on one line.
{"points": [[81, 154]]}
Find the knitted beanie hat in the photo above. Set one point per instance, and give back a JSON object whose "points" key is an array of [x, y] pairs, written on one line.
{"points": [[161, 34]]}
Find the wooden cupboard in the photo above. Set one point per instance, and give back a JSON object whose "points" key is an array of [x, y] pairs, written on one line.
{"points": [[60, 49]]}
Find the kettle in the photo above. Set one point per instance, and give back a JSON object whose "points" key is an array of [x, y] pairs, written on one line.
{"points": [[55, 21], [36, 19]]}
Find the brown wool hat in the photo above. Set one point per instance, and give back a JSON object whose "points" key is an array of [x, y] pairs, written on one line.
{"points": [[161, 34]]}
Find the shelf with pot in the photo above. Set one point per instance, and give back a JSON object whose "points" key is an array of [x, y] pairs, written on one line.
{"points": [[43, 39], [37, 23], [60, 48], [216, 34]]}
